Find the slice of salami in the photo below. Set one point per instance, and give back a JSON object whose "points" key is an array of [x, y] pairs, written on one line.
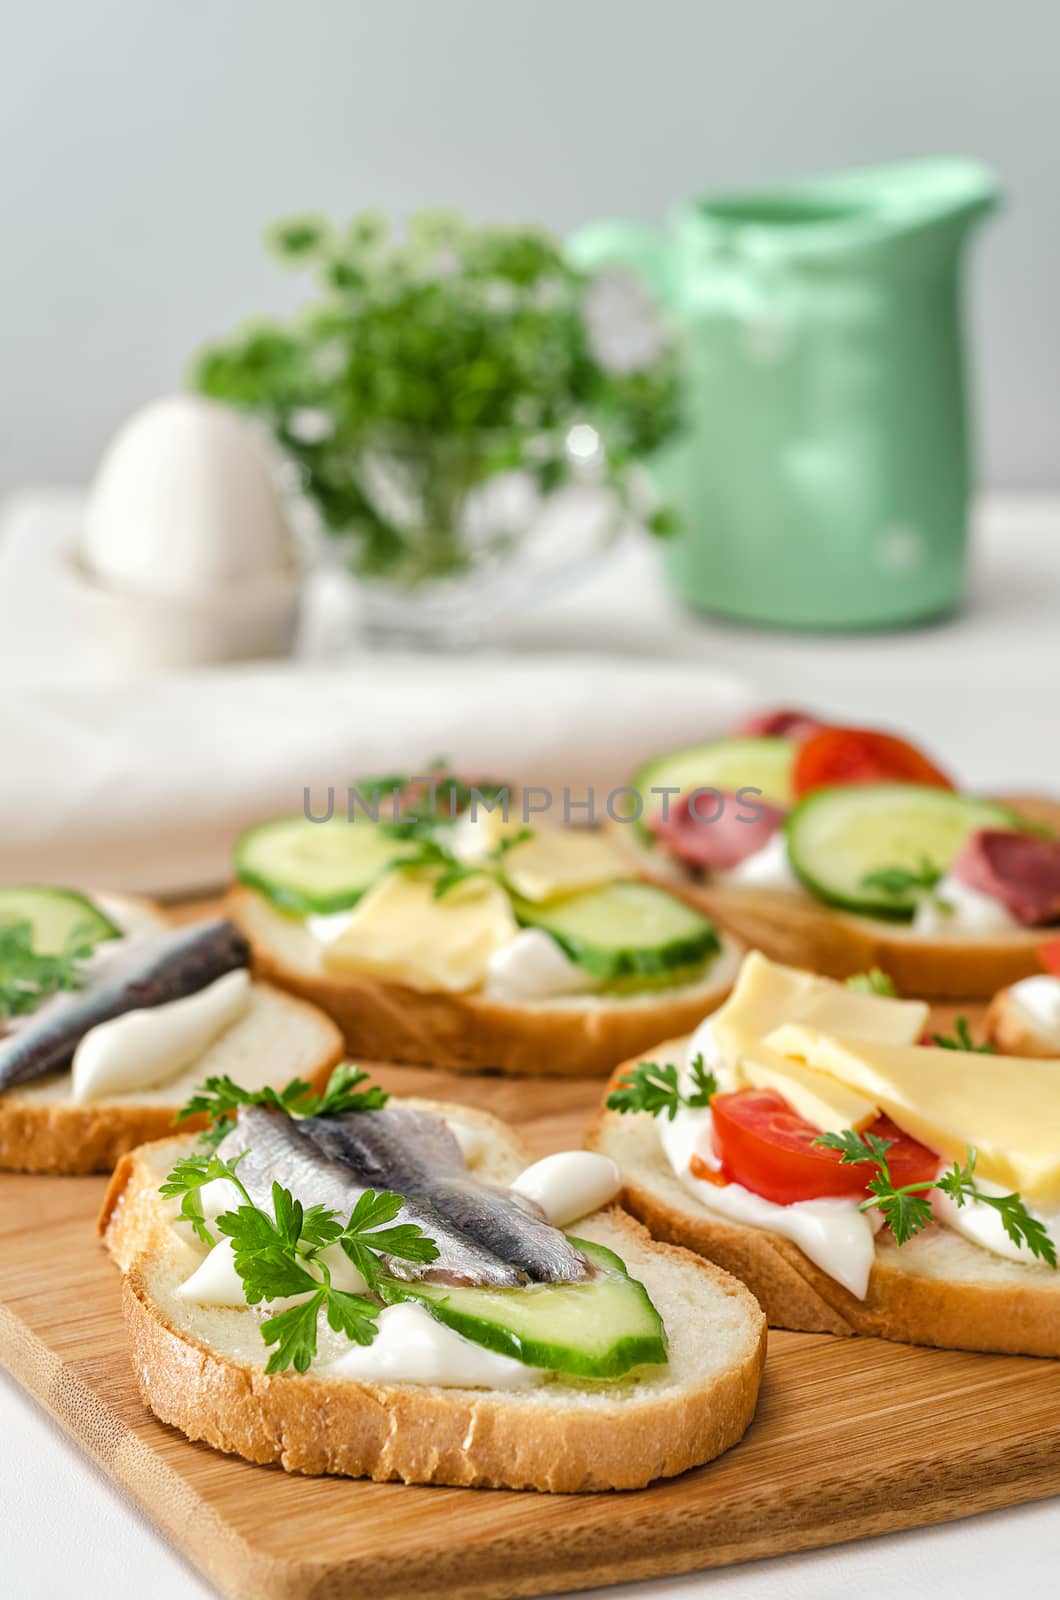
{"points": [[1022, 870], [714, 830], [779, 724]]}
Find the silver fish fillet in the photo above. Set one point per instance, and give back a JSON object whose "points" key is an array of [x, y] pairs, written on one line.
{"points": [[280, 1149], [135, 974], [415, 1153]]}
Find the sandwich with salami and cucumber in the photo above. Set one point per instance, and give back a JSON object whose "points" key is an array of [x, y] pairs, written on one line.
{"points": [[841, 849], [857, 1173], [443, 931], [108, 1013], [339, 1282]]}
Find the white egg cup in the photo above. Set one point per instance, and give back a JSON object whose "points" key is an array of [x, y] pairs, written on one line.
{"points": [[134, 633]]}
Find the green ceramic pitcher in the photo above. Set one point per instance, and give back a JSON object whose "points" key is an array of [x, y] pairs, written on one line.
{"points": [[823, 480]]}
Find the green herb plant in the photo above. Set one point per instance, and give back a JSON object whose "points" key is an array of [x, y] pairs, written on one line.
{"points": [[453, 355], [28, 977], [656, 1089]]}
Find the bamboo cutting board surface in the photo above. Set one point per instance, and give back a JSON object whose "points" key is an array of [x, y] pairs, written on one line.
{"points": [[853, 1436]]}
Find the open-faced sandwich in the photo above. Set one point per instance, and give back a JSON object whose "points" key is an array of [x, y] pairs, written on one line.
{"points": [[442, 930], [856, 1179], [840, 849], [334, 1283], [108, 1013]]}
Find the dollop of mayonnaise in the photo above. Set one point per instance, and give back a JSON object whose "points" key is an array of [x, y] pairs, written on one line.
{"points": [[569, 1184], [326, 926], [834, 1233], [1038, 1002], [952, 907], [533, 967], [412, 1347], [215, 1281], [768, 868], [982, 1225], [145, 1048]]}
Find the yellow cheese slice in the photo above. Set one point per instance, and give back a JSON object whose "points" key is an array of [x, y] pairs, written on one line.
{"points": [[1006, 1107], [562, 861], [767, 994], [400, 933], [822, 1100]]}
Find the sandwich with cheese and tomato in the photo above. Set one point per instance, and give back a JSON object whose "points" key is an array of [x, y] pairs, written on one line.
{"points": [[857, 1175], [437, 928], [841, 849]]}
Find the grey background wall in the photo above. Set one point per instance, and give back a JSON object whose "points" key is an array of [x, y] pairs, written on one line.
{"points": [[145, 142]]}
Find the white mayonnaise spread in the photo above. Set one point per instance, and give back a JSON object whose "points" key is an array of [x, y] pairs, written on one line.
{"points": [[981, 1224], [1038, 1002], [569, 1184], [411, 1347], [533, 967], [768, 868], [215, 1281], [952, 907], [326, 926], [834, 1233], [142, 1049]]}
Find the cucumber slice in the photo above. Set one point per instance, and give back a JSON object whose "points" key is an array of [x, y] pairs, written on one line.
{"points": [[838, 838], [308, 866], [624, 930], [59, 918], [729, 764], [598, 1329]]}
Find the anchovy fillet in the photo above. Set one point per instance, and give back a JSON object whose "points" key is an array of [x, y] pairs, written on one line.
{"points": [[134, 975], [281, 1149], [415, 1153]]}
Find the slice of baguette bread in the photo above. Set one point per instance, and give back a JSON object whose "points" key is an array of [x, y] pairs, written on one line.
{"points": [[937, 1289], [201, 1369], [1012, 1032], [576, 1036], [804, 932], [279, 1037]]}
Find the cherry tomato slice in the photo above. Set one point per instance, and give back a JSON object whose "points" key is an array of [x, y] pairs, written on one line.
{"points": [[1049, 956], [768, 1148], [837, 756]]}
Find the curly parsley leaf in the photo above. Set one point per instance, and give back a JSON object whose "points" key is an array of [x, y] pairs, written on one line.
{"points": [[656, 1089], [294, 1333], [366, 1235], [961, 1039], [875, 981], [28, 977], [343, 1093], [220, 1098], [1025, 1230], [901, 880]]}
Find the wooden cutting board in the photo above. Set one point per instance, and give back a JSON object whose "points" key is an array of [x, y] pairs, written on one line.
{"points": [[853, 1436]]}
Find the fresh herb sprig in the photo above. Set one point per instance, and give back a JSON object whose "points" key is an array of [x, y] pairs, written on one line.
{"points": [[900, 880], [907, 1209], [656, 1089], [28, 977], [219, 1098], [282, 1254], [875, 981], [961, 1039]]}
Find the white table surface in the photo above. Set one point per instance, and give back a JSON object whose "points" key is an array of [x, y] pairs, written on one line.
{"points": [[983, 690]]}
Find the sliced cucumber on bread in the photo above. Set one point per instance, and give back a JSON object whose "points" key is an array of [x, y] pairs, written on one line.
{"points": [[625, 930], [763, 764], [877, 848], [59, 919], [315, 867]]}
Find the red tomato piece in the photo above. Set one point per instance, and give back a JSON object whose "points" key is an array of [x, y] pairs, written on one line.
{"points": [[837, 756], [768, 1148], [1049, 956]]}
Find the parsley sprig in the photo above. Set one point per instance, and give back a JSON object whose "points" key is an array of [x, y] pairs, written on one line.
{"points": [[282, 1254], [907, 1208], [900, 880], [875, 981], [28, 977], [656, 1089], [220, 1098], [961, 1039]]}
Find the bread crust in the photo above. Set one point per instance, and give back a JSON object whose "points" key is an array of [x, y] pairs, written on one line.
{"points": [[59, 1137], [1005, 1318], [464, 1033], [1010, 1032]]}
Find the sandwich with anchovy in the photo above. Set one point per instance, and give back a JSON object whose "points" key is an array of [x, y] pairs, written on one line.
{"points": [[441, 930], [841, 849], [858, 1175], [345, 1283], [108, 1014]]}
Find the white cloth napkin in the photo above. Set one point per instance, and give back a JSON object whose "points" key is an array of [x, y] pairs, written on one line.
{"points": [[145, 787]]}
